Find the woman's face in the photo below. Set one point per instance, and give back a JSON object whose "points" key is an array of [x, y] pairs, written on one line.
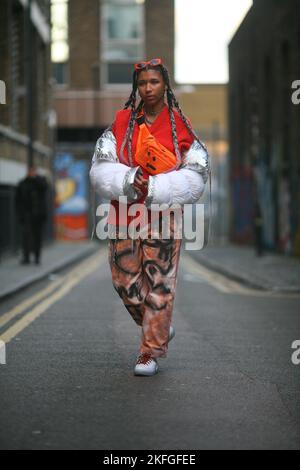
{"points": [[151, 87]]}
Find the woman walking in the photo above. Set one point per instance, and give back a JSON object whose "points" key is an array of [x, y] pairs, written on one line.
{"points": [[151, 155]]}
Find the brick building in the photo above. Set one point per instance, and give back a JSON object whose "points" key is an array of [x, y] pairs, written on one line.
{"points": [[102, 51], [25, 135]]}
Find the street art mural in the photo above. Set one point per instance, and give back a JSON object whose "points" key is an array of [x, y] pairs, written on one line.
{"points": [[280, 230], [284, 217], [265, 196], [242, 201], [70, 216]]}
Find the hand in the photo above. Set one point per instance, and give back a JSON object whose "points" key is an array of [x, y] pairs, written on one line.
{"points": [[140, 183]]}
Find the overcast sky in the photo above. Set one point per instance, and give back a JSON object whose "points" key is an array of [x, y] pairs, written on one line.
{"points": [[203, 31]]}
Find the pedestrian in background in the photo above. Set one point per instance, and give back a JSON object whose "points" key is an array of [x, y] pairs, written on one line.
{"points": [[31, 208], [258, 229], [144, 270]]}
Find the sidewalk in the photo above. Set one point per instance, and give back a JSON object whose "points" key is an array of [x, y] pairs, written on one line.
{"points": [[270, 272], [55, 256]]}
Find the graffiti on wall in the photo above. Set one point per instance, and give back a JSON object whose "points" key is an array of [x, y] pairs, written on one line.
{"points": [[265, 195], [242, 201], [297, 231], [284, 216], [70, 219]]}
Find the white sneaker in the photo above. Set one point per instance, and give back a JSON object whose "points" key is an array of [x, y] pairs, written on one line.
{"points": [[171, 332], [146, 365]]}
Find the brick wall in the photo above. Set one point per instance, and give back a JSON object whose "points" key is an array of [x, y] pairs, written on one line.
{"points": [[84, 37], [159, 22]]}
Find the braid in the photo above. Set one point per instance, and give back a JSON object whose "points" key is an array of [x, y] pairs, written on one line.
{"points": [[135, 113], [129, 131], [165, 75], [184, 119], [172, 101], [173, 126], [127, 136]]}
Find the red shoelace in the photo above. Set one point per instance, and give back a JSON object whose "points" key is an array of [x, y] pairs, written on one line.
{"points": [[144, 359]]}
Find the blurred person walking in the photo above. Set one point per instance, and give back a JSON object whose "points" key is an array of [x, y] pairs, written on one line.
{"points": [[151, 155], [258, 229], [31, 208]]}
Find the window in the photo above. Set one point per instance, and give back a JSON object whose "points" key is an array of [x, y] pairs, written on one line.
{"points": [[122, 41], [59, 34]]}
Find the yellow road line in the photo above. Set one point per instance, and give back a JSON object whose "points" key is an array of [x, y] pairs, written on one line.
{"points": [[80, 272], [217, 281], [6, 317], [18, 309]]}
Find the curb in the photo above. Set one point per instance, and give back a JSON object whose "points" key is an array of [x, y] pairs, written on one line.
{"points": [[42, 275], [243, 279]]}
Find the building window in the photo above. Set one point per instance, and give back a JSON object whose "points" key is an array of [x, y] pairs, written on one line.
{"points": [[59, 35], [122, 39], [60, 72]]}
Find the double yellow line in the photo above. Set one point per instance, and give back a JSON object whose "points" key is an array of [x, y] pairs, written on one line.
{"points": [[66, 282]]}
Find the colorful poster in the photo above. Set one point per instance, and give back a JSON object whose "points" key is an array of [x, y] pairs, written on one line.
{"points": [[71, 220], [285, 244]]}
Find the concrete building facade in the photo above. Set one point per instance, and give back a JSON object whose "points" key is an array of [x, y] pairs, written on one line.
{"points": [[265, 125]]}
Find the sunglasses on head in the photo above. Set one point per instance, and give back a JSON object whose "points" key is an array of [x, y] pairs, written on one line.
{"points": [[143, 65]]}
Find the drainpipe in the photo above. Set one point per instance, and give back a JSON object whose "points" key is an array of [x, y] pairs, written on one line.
{"points": [[29, 83]]}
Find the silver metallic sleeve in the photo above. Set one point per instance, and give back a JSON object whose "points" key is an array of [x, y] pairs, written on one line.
{"points": [[150, 195], [128, 188], [197, 159], [106, 147]]}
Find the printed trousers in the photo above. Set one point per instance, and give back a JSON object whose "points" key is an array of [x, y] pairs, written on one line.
{"points": [[144, 274]]}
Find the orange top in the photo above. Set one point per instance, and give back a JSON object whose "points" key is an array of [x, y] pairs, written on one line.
{"points": [[161, 130]]}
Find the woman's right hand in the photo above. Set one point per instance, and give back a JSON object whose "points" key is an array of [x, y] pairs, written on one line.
{"points": [[140, 183]]}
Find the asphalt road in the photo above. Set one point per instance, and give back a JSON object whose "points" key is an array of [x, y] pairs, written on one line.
{"points": [[228, 381]]}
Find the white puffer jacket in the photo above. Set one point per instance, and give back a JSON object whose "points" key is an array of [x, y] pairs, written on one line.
{"points": [[112, 179]]}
